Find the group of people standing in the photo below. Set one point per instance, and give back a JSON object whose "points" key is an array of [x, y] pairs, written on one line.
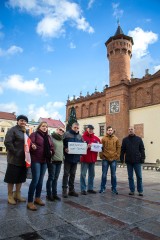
{"points": [[49, 151]]}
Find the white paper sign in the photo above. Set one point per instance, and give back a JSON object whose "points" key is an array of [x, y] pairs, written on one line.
{"points": [[77, 148], [96, 147]]}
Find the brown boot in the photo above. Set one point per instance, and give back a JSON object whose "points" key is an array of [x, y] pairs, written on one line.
{"points": [[39, 201], [65, 194], [17, 196], [31, 206], [11, 199]]}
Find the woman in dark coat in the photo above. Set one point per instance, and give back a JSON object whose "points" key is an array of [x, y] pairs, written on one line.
{"points": [[16, 168], [41, 151]]}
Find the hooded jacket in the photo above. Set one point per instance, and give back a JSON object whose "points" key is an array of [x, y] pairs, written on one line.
{"points": [[90, 157], [111, 148]]}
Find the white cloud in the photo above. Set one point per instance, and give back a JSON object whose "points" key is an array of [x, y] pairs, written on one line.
{"points": [[11, 51], [17, 82], [117, 13], [55, 14], [25, 4], [32, 69], [156, 68], [90, 3], [142, 40], [50, 27], [139, 65], [72, 45], [141, 59], [47, 110], [9, 107], [83, 25], [55, 105]]}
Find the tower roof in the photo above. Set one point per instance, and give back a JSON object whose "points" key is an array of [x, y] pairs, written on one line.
{"points": [[119, 35], [119, 31]]}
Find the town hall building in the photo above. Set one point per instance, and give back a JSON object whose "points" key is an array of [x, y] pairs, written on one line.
{"points": [[126, 101]]}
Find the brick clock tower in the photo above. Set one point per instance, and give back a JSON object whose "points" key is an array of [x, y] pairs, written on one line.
{"points": [[119, 52]]}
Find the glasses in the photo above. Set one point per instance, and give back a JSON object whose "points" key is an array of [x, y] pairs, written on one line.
{"points": [[61, 130]]}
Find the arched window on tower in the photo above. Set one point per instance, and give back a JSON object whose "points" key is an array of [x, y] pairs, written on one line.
{"points": [[140, 97], [99, 108], [77, 112], [84, 111], [91, 109], [156, 93]]}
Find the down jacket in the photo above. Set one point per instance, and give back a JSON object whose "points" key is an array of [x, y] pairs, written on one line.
{"points": [[111, 148], [90, 157], [71, 136], [132, 150]]}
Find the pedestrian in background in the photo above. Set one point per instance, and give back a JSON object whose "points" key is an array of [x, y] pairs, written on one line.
{"points": [[41, 151], [109, 155], [16, 168], [54, 167], [88, 161], [133, 154]]}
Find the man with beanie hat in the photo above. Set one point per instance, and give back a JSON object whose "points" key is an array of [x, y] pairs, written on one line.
{"points": [[16, 168]]}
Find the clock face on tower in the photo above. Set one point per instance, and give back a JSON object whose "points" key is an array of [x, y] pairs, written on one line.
{"points": [[114, 107]]}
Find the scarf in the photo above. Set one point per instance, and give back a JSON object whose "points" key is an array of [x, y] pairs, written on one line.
{"points": [[57, 136], [47, 147]]}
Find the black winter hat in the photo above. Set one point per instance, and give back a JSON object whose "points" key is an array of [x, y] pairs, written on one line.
{"points": [[90, 126], [22, 117]]}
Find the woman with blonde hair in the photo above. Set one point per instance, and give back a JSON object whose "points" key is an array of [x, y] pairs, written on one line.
{"points": [[41, 151]]}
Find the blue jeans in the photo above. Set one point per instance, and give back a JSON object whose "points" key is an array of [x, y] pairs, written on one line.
{"points": [[53, 174], [91, 173], [105, 166], [138, 171], [38, 172]]}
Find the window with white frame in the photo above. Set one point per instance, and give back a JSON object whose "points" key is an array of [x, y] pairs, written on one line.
{"points": [[101, 129]]}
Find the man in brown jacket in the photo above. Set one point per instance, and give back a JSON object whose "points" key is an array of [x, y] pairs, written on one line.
{"points": [[109, 155]]}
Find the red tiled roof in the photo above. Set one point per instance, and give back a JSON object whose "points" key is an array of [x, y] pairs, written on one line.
{"points": [[8, 116], [52, 122]]}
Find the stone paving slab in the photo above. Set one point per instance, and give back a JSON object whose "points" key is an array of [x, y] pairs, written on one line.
{"points": [[94, 216]]}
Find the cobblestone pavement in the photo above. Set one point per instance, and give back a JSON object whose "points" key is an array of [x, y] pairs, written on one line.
{"points": [[94, 216]]}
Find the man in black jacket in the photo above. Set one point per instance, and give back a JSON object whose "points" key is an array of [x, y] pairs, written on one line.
{"points": [[70, 160], [133, 153]]}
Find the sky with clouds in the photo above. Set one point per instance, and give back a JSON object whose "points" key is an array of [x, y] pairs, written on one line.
{"points": [[54, 49]]}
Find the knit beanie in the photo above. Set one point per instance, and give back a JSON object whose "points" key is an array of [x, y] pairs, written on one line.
{"points": [[22, 117]]}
